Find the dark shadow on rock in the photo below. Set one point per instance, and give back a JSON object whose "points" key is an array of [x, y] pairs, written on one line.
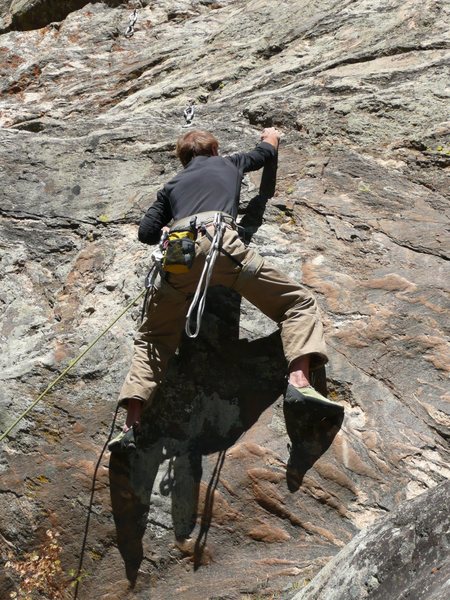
{"points": [[253, 212], [253, 217], [130, 504], [35, 15], [310, 432], [214, 391], [200, 543]]}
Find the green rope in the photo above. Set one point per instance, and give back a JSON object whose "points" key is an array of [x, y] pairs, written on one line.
{"points": [[70, 366]]}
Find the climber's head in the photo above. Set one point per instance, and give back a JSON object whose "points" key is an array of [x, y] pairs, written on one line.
{"points": [[196, 143]]}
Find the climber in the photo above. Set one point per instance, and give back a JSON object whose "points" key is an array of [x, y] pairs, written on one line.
{"points": [[208, 187], [189, 112]]}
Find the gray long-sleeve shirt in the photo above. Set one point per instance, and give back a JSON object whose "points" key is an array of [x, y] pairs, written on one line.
{"points": [[207, 183]]}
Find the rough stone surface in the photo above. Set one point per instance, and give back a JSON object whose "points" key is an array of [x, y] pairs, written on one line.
{"points": [[403, 556], [34, 14], [88, 122]]}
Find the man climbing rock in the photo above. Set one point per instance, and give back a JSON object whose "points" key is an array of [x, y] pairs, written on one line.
{"points": [[200, 204]]}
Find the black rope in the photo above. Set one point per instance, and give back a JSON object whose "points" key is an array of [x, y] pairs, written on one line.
{"points": [[78, 575], [208, 510]]}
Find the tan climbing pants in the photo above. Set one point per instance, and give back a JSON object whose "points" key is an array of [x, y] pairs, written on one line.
{"points": [[287, 303]]}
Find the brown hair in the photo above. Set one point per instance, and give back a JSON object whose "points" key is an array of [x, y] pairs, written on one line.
{"points": [[196, 143]]}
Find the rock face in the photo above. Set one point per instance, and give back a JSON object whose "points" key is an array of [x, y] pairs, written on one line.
{"points": [[33, 14], [403, 556], [88, 123]]}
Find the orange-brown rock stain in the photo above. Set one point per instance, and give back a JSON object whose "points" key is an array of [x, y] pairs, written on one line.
{"points": [[222, 512], [268, 533]]}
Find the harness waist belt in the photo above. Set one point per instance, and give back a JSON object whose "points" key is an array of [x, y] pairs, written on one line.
{"points": [[205, 218]]}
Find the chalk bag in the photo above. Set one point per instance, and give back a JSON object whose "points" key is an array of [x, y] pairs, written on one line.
{"points": [[180, 250]]}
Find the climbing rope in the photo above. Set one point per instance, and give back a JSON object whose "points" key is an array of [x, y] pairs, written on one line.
{"points": [[71, 365], [198, 302], [77, 577]]}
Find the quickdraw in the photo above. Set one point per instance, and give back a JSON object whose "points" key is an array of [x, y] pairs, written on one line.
{"points": [[156, 269], [199, 299]]}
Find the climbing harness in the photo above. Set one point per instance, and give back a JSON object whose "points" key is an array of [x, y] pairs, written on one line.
{"points": [[222, 250], [175, 254], [129, 32], [71, 365], [199, 299]]}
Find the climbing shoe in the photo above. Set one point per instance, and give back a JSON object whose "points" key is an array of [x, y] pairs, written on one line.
{"points": [[125, 441], [310, 399]]}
